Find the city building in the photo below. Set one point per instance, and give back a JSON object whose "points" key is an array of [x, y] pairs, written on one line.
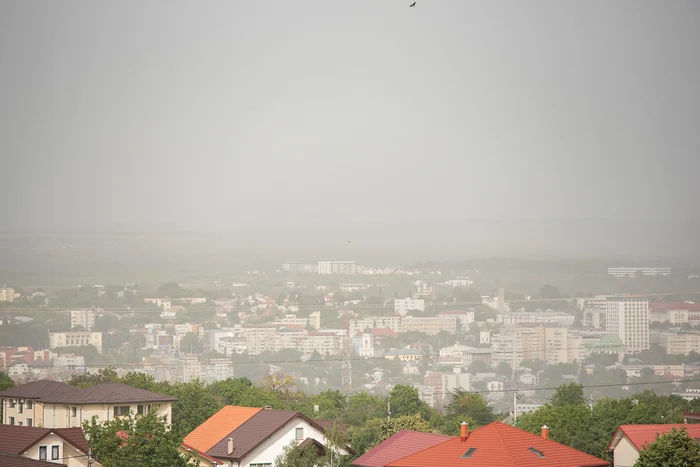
{"points": [[536, 317], [626, 272], [75, 339], [337, 267], [250, 436], [444, 384], [431, 325], [404, 305], [300, 268], [405, 355], [464, 317], [7, 294], [50, 404], [84, 318], [628, 318], [675, 313], [459, 282]]}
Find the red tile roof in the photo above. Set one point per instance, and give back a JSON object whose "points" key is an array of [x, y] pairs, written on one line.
{"points": [[397, 446], [498, 444], [641, 435]]}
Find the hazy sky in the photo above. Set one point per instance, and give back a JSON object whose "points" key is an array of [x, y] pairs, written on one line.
{"points": [[225, 114]]}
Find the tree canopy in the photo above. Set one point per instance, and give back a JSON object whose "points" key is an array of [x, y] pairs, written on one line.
{"points": [[674, 449]]}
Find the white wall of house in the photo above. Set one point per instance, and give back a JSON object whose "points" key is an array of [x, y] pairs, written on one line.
{"points": [[67, 453], [268, 451], [625, 453], [61, 415]]}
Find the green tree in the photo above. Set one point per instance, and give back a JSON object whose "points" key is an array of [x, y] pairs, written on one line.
{"points": [[85, 380], [144, 440], [674, 449], [366, 436], [5, 383], [193, 407], [469, 407], [569, 394], [478, 366], [405, 401], [412, 422], [190, 343], [362, 407], [504, 369]]}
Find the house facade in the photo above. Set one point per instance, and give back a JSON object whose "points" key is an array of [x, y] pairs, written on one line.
{"points": [[58, 446], [629, 440], [253, 437], [51, 404]]}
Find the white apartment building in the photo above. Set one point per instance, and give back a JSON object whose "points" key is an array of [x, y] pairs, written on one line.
{"points": [[464, 318], [459, 282], [84, 318], [430, 325], [625, 272], [536, 317], [403, 305], [679, 343], [337, 267], [549, 344], [358, 326], [259, 339], [70, 339], [300, 268], [628, 318]]}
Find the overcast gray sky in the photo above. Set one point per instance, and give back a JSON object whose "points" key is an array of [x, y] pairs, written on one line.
{"points": [[219, 114]]}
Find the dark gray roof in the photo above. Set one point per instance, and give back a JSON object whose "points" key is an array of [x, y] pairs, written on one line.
{"points": [[252, 433], [55, 392], [18, 439], [38, 390]]}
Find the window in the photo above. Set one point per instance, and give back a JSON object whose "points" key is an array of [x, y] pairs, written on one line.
{"points": [[12, 420], [120, 410], [299, 432], [30, 404], [74, 411], [12, 403], [536, 452], [20, 408], [30, 422], [261, 465], [54, 453], [42, 453], [139, 409], [470, 452]]}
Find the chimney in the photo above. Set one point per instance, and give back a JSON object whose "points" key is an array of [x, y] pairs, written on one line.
{"points": [[230, 446], [545, 432], [463, 431]]}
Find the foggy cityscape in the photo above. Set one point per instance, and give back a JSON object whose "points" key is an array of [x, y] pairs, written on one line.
{"points": [[370, 234]]}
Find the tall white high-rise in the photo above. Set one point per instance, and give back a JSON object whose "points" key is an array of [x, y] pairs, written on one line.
{"points": [[84, 318], [628, 318]]}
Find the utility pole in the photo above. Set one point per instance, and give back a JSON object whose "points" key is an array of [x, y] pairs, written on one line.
{"points": [[388, 407], [591, 403], [516, 396]]}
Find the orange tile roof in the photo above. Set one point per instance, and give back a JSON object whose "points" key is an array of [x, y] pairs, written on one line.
{"points": [[502, 445], [218, 426]]}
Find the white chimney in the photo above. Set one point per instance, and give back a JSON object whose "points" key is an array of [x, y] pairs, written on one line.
{"points": [[230, 446]]}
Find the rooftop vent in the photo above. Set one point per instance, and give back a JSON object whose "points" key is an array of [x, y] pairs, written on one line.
{"points": [[470, 452], [536, 452]]}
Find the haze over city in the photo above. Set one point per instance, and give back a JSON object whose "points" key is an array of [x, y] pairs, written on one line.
{"points": [[349, 234]]}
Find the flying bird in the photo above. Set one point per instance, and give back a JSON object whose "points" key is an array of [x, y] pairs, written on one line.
{"points": [[412, 5]]}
